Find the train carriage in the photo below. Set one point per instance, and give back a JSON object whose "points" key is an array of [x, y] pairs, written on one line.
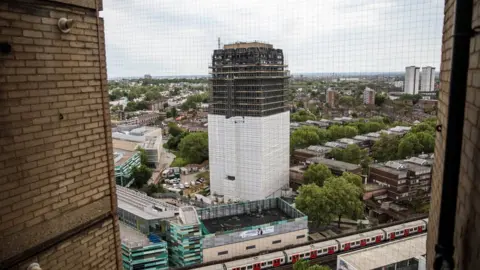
{"points": [[405, 229], [259, 262], [212, 267], [311, 251], [360, 240]]}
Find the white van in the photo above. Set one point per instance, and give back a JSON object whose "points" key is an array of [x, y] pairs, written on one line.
{"points": [[187, 185]]}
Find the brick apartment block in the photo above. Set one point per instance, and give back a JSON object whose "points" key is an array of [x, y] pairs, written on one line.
{"points": [[57, 199]]}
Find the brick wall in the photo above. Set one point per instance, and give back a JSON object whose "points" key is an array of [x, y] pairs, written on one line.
{"points": [[467, 227], [56, 166]]}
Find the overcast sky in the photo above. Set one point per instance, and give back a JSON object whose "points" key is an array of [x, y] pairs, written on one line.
{"points": [[177, 37]]}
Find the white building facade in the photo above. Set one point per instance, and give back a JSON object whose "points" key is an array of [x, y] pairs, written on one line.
{"points": [[428, 79], [368, 96], [412, 80], [248, 123]]}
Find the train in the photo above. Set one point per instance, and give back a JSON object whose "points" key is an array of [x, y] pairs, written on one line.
{"points": [[328, 247]]}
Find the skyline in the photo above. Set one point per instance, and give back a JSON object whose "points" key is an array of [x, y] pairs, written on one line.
{"points": [[176, 38]]}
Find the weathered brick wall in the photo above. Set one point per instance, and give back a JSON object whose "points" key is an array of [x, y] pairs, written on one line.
{"points": [[467, 227], [56, 166]]}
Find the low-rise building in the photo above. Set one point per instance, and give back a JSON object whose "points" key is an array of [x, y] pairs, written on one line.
{"points": [[408, 253], [300, 156], [250, 227], [140, 252], [337, 167], [404, 179]]}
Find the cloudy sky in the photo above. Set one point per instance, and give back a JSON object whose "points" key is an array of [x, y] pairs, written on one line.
{"points": [[177, 37]]}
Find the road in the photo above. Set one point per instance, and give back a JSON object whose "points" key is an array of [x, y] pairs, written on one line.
{"points": [[165, 160]]}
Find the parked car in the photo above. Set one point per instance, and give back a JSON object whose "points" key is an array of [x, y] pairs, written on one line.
{"points": [[181, 186], [187, 185], [192, 183]]}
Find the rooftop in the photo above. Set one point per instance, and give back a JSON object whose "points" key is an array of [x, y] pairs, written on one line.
{"points": [[379, 256], [229, 223], [143, 206], [334, 164], [397, 167], [238, 45], [124, 145], [132, 238]]}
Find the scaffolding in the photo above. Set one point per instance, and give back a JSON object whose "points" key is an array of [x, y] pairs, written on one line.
{"points": [[248, 79]]}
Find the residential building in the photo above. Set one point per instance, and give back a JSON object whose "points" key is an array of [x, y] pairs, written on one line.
{"points": [[332, 98], [336, 167], [404, 179], [248, 122], [125, 162], [368, 96], [300, 156], [427, 79], [412, 80], [58, 207]]}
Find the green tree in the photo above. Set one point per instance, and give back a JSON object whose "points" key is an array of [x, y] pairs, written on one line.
{"points": [[353, 179], [174, 129], [380, 99], [302, 116], [343, 198], [427, 141], [141, 175], [386, 148], [143, 156], [304, 265], [406, 148], [423, 127], [314, 204], [351, 154], [172, 113], [374, 126], [152, 188], [317, 174], [337, 132], [178, 162], [346, 101], [306, 136], [194, 147]]}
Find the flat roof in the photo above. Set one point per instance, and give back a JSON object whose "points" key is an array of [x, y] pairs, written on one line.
{"points": [[334, 164], [124, 145], [143, 206], [409, 166], [378, 256], [229, 223], [131, 237]]}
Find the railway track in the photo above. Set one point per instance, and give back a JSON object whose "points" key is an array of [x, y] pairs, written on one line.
{"points": [[331, 260], [321, 260]]}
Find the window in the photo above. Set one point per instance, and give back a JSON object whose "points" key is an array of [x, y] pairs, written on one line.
{"points": [[263, 264], [249, 267], [223, 252], [270, 263], [250, 247], [324, 250], [301, 255], [358, 242], [229, 177], [300, 236], [276, 241]]}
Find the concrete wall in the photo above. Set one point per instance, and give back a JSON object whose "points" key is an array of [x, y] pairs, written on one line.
{"points": [[467, 227], [261, 244], [56, 166]]}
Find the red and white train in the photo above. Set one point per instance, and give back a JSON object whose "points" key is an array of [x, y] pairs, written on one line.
{"points": [[312, 251]]}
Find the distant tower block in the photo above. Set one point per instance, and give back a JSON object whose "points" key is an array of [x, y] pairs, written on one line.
{"points": [[248, 122]]}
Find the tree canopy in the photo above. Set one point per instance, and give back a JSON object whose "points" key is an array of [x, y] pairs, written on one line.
{"points": [[304, 265], [380, 99], [385, 148], [338, 197], [317, 174], [302, 116], [141, 175], [308, 135], [194, 147], [174, 129], [337, 132]]}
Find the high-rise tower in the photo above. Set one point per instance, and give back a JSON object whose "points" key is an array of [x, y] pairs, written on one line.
{"points": [[412, 80], [248, 122], [428, 79]]}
